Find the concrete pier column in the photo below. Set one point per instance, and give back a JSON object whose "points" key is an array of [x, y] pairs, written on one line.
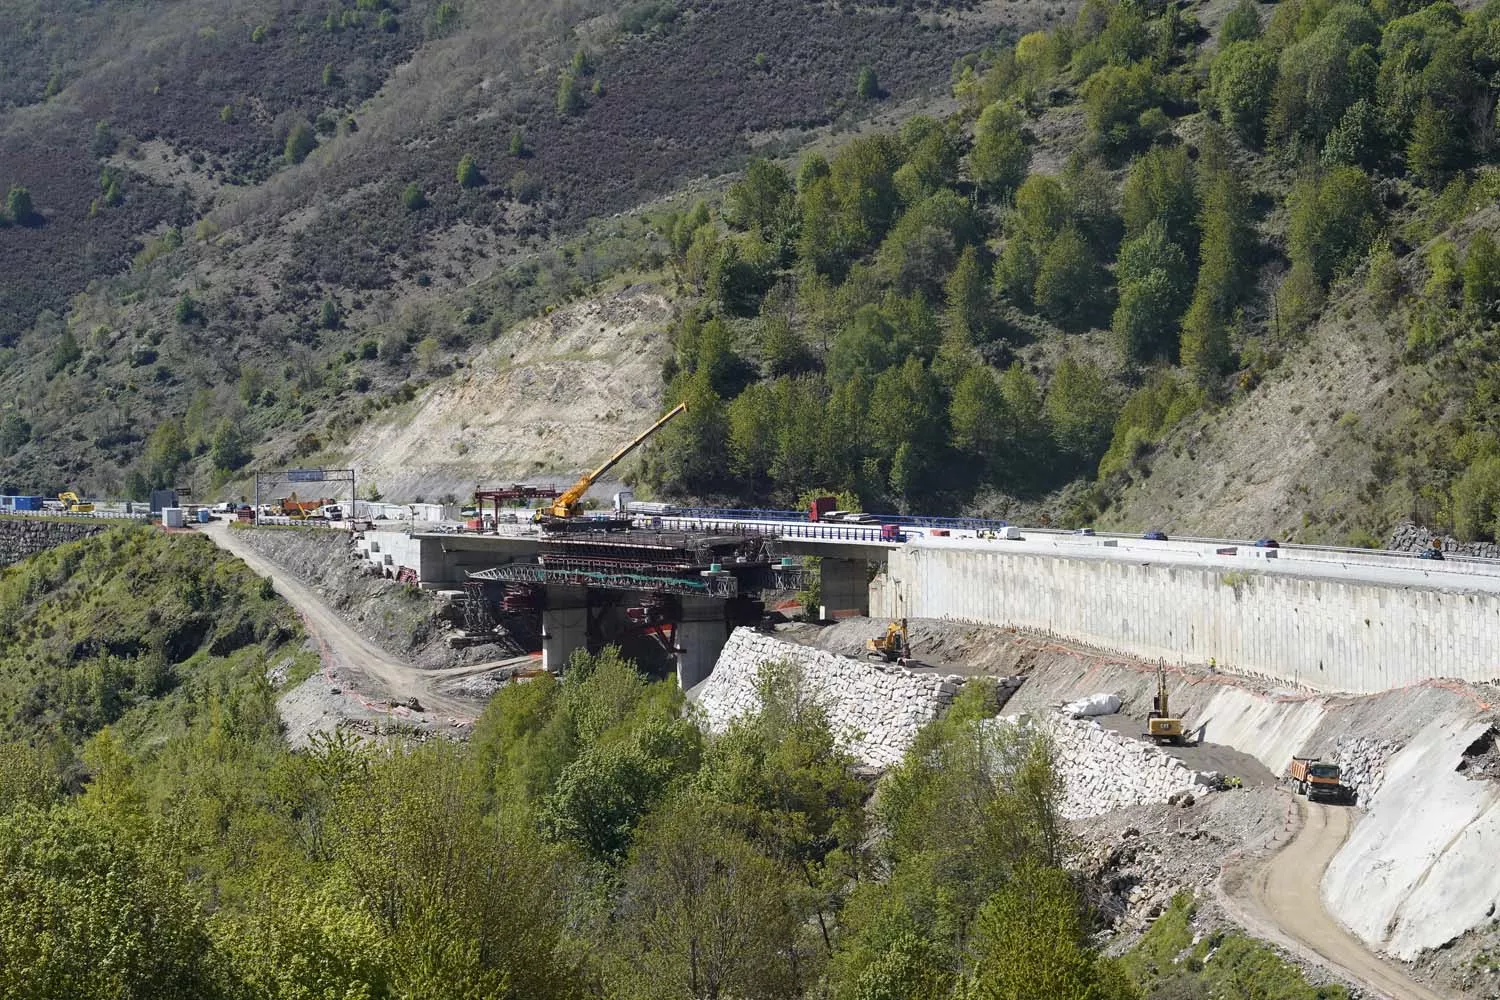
{"points": [[565, 625], [701, 636], [846, 588]]}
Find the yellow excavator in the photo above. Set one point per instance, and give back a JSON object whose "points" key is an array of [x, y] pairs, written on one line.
{"points": [[894, 646], [570, 504], [1161, 725], [73, 504]]}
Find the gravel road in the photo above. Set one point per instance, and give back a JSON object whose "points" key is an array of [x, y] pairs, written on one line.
{"points": [[354, 661], [1281, 894]]}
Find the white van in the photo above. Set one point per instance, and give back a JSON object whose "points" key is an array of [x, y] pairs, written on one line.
{"points": [[1010, 531]]}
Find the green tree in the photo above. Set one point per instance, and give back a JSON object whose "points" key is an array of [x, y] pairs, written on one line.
{"points": [[925, 244], [166, 453], [1152, 275], [1476, 500], [1031, 939], [64, 352], [569, 94], [19, 207], [1113, 100], [764, 200], [703, 914], [1081, 410], [1160, 188], [1435, 144], [300, 141], [1358, 140], [1334, 219], [1482, 273], [967, 294], [1242, 23], [1069, 280], [1241, 81], [867, 86], [329, 317], [1321, 75], [231, 446], [1000, 157], [15, 431], [85, 913], [468, 174], [187, 309], [413, 197], [977, 415]]}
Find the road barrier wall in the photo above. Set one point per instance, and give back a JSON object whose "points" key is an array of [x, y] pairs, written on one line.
{"points": [[1322, 634]]}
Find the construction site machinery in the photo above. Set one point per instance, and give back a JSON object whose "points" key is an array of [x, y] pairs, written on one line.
{"points": [[1317, 780], [1161, 725], [569, 506], [74, 504], [894, 646]]}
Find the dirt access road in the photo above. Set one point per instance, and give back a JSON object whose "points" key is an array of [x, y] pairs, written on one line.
{"points": [[1279, 898], [351, 659]]}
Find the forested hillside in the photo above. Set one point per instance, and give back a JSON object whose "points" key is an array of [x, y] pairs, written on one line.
{"points": [[239, 229], [1130, 225], [590, 841]]}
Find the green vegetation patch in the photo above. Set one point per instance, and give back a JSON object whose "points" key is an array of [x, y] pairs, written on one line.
{"points": [[134, 628], [1173, 962]]}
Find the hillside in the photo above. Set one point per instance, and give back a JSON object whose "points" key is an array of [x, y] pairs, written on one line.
{"points": [[140, 631], [252, 220]]}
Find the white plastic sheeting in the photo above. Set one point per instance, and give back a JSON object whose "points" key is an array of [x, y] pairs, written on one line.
{"points": [[1094, 704]]}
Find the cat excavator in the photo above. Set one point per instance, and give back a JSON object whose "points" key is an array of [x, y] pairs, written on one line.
{"points": [[1161, 725], [568, 508]]}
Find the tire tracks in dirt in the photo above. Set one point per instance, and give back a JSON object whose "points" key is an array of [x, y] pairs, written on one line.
{"points": [[1280, 898]]}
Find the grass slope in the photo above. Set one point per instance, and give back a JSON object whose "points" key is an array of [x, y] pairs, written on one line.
{"points": [[136, 629]]}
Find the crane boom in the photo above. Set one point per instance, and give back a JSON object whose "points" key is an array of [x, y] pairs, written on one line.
{"points": [[567, 504]]}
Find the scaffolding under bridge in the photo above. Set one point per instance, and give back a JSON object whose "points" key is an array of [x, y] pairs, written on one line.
{"points": [[723, 586]]}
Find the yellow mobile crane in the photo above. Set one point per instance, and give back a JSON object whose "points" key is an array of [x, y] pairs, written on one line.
{"points": [[570, 504]]}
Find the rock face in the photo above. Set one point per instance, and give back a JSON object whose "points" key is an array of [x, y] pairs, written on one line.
{"points": [[23, 537], [1409, 537], [876, 708], [1103, 771]]}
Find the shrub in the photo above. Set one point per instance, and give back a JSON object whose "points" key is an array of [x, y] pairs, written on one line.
{"points": [[468, 173], [413, 197], [867, 86], [300, 141], [19, 207]]}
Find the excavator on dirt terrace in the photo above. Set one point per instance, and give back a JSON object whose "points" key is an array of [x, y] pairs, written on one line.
{"points": [[894, 646], [1161, 725], [567, 510]]}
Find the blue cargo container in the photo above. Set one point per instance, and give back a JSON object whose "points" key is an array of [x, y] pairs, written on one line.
{"points": [[20, 503]]}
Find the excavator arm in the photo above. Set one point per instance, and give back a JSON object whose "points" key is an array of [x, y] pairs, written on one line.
{"points": [[567, 505]]}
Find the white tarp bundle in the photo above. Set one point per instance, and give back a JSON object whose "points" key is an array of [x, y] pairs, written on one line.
{"points": [[1094, 704]]}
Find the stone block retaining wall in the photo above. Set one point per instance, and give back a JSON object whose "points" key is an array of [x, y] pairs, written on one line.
{"points": [[23, 537]]}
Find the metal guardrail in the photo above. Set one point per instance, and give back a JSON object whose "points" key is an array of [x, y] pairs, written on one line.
{"points": [[53, 515], [802, 529]]}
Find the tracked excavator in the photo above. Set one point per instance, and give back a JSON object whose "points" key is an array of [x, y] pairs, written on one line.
{"points": [[1161, 725], [566, 511], [894, 646]]}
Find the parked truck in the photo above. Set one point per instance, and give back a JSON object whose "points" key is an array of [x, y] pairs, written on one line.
{"points": [[1318, 780]]}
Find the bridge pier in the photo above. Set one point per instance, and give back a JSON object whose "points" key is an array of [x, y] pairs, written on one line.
{"points": [[701, 636], [565, 626], [845, 587]]}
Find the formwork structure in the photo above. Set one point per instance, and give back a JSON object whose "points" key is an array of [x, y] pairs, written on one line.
{"points": [[500, 496], [589, 589]]}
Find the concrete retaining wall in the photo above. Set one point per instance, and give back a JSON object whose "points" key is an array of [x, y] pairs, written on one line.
{"points": [[22, 537], [1322, 634], [876, 708]]}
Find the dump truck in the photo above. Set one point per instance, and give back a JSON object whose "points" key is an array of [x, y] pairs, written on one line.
{"points": [[1318, 780]]}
